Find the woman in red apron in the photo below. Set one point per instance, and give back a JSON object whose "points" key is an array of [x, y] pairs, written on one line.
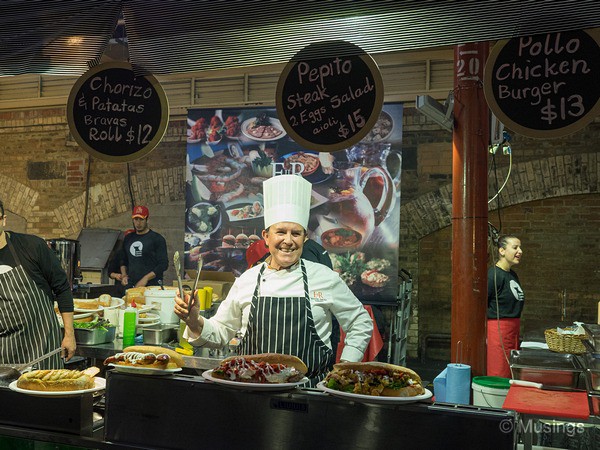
{"points": [[505, 305]]}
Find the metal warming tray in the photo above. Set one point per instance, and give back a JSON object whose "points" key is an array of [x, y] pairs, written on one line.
{"points": [[593, 335], [592, 373], [160, 334], [85, 336], [547, 367], [592, 379]]}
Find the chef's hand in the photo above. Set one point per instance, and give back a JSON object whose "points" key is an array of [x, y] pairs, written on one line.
{"points": [[124, 280], [69, 346], [189, 313]]}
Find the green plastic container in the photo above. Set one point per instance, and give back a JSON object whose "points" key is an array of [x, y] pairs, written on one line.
{"points": [[490, 391]]}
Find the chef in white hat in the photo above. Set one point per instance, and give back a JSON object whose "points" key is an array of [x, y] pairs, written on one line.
{"points": [[285, 304]]}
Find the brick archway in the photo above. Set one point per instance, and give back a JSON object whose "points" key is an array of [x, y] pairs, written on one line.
{"points": [[110, 199], [17, 197], [530, 180]]}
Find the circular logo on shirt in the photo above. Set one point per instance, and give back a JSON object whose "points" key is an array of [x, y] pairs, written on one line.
{"points": [[516, 290], [136, 249], [4, 268]]}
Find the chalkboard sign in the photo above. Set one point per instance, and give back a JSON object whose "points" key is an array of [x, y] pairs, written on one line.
{"points": [[545, 85], [329, 96], [116, 116]]}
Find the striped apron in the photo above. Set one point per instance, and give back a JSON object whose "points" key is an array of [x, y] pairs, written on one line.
{"points": [[285, 325], [28, 324]]}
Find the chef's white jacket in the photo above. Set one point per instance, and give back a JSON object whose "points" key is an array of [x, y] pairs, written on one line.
{"points": [[328, 295]]}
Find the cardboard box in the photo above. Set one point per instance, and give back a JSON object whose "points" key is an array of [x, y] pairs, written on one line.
{"points": [[221, 282]]}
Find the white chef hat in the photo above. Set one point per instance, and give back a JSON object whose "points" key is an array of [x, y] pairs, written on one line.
{"points": [[286, 199]]}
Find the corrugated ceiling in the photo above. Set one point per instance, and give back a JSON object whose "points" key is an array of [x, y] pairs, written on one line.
{"points": [[174, 36]]}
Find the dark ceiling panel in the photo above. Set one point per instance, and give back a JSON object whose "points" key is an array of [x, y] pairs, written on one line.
{"points": [[55, 37], [175, 36], [200, 35]]}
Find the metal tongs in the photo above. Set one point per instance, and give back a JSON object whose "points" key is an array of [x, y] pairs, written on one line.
{"points": [[177, 265], [22, 367], [195, 286]]}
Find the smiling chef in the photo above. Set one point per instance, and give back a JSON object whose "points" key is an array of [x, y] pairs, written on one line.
{"points": [[285, 304]]}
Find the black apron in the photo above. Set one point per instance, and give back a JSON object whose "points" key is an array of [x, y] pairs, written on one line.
{"points": [[28, 324], [285, 325]]}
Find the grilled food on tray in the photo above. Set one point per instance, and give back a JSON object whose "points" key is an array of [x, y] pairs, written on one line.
{"points": [[147, 356], [374, 378], [56, 380], [267, 368]]}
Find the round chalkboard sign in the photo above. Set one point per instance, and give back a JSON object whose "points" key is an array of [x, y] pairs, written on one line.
{"points": [[545, 85], [329, 95], [116, 116]]}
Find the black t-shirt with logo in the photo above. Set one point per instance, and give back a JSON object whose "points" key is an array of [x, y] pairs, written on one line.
{"points": [[144, 253], [510, 294]]}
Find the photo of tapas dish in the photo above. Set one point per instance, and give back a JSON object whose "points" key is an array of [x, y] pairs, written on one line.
{"points": [[245, 211], [263, 128], [341, 239], [381, 130], [213, 130], [232, 127], [312, 168], [308, 162], [197, 131], [357, 269], [203, 218]]}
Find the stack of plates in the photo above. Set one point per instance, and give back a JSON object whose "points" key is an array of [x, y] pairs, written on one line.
{"points": [[80, 316], [116, 302], [148, 320]]}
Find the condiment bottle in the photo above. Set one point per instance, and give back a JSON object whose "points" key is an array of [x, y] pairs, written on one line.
{"points": [[129, 324], [209, 293], [201, 297]]}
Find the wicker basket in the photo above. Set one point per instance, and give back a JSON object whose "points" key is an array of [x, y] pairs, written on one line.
{"points": [[565, 343]]}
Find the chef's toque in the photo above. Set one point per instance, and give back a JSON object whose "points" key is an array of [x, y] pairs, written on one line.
{"points": [[286, 199]]}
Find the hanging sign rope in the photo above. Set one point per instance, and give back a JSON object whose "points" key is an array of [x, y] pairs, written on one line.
{"points": [[116, 116], [329, 96], [545, 85]]}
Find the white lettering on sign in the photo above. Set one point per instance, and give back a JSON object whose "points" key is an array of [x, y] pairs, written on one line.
{"points": [[469, 65], [327, 101], [547, 74], [336, 67], [129, 90], [551, 45], [295, 168]]}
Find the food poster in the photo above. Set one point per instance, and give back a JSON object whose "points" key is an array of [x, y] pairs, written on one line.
{"points": [[355, 209]]}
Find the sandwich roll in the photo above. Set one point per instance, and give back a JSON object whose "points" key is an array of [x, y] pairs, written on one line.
{"points": [[175, 359], [269, 368], [86, 303], [55, 380], [374, 378], [137, 359], [105, 300]]}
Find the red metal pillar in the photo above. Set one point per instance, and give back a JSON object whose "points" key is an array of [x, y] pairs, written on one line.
{"points": [[469, 207]]}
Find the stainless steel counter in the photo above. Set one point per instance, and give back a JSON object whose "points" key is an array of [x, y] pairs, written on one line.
{"points": [[202, 360]]}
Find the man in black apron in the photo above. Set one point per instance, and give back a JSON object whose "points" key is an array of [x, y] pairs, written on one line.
{"points": [[285, 304], [30, 277]]}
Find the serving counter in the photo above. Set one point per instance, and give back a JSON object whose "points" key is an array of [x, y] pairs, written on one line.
{"points": [[186, 411], [182, 411]]}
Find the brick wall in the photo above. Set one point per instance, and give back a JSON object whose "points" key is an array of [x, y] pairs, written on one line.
{"points": [[550, 201], [43, 178]]}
